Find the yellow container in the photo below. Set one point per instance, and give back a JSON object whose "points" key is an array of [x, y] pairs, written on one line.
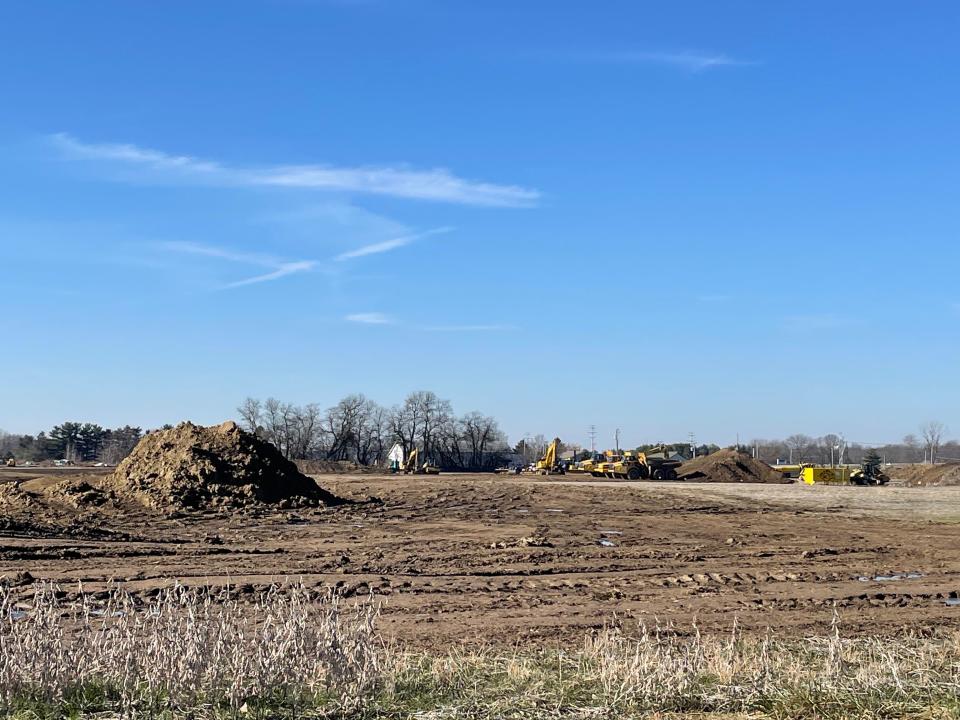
{"points": [[826, 475]]}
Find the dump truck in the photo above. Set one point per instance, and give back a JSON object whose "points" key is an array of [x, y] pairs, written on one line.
{"points": [[653, 464], [630, 465], [588, 465]]}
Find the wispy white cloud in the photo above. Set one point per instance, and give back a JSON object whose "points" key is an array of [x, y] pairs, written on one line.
{"points": [[378, 318], [812, 322], [282, 271], [369, 318], [434, 184], [277, 268], [190, 248], [387, 245], [468, 328], [689, 61]]}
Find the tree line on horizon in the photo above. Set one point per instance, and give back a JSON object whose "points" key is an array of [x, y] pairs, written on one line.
{"points": [[359, 430], [928, 445], [72, 441]]}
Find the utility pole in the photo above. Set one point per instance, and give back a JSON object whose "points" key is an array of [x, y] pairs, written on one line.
{"points": [[593, 440], [616, 439], [693, 445]]}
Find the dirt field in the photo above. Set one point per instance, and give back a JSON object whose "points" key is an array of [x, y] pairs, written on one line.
{"points": [[481, 558]]}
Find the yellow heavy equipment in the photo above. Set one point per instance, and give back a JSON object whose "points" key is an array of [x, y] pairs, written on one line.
{"points": [[651, 465], [870, 471], [412, 465], [827, 475], [550, 463], [585, 466]]}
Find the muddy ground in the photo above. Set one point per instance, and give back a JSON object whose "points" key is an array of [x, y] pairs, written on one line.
{"points": [[489, 559]]}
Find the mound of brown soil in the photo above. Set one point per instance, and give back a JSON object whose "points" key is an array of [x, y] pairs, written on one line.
{"points": [[80, 493], [923, 474], [190, 466], [728, 466]]}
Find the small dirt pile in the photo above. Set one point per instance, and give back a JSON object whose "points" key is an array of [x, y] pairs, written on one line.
{"points": [[191, 467], [728, 466], [80, 494]]}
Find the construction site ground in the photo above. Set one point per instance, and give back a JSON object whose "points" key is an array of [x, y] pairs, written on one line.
{"points": [[488, 559]]}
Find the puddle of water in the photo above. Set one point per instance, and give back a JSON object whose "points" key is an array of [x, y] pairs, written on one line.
{"points": [[523, 511], [102, 613], [17, 615], [891, 578], [606, 543], [952, 602], [552, 510]]}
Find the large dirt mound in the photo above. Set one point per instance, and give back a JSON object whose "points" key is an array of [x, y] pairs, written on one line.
{"points": [[728, 466], [923, 474], [190, 466]]}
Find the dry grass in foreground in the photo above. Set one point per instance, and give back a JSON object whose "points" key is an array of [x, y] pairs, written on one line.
{"points": [[294, 653]]}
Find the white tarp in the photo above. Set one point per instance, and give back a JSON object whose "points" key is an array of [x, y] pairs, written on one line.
{"points": [[396, 454]]}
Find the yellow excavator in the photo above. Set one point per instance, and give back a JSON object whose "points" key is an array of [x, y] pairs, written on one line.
{"points": [[550, 463], [413, 467]]}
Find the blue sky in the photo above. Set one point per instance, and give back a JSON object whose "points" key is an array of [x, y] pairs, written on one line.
{"points": [[661, 217]]}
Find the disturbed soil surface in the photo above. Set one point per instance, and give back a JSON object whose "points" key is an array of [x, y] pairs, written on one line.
{"points": [[922, 474], [504, 560]]}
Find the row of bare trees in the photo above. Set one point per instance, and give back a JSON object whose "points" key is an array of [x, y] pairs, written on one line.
{"points": [[360, 430], [928, 445]]}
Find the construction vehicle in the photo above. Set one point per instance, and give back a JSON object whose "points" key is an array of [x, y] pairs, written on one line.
{"points": [[11, 462], [412, 465], [630, 465], [870, 471], [550, 463], [585, 466]]}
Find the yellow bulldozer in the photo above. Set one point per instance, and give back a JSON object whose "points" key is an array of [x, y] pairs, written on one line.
{"points": [[412, 465], [550, 463]]}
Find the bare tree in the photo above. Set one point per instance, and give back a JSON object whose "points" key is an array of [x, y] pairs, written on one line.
{"points": [[419, 421], [480, 432], [372, 434], [932, 433], [830, 445], [251, 411], [342, 424], [799, 446], [912, 445]]}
